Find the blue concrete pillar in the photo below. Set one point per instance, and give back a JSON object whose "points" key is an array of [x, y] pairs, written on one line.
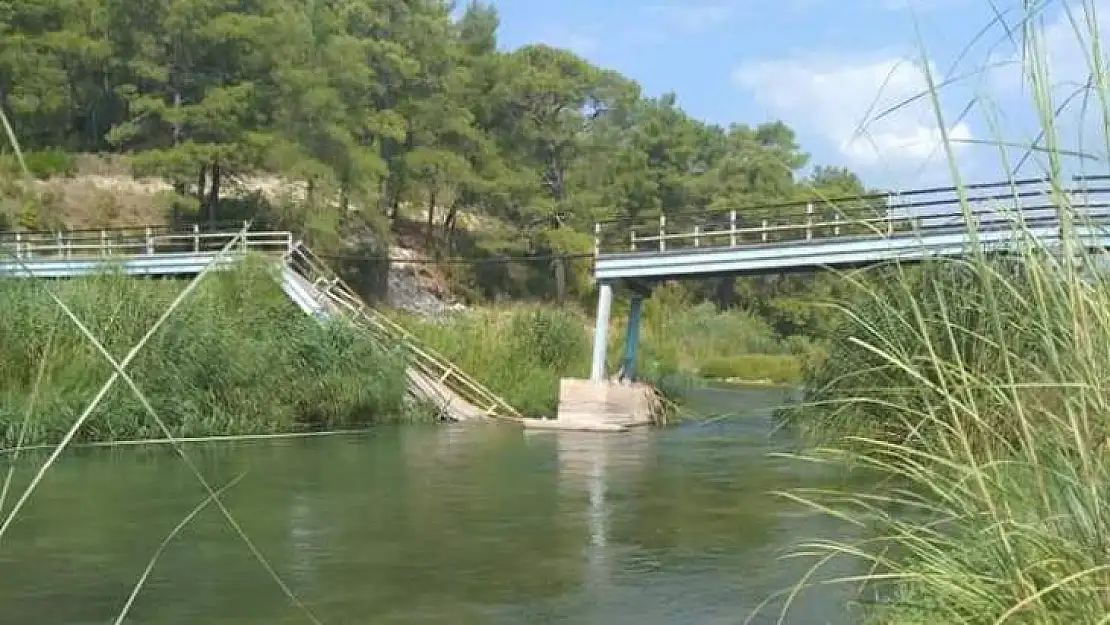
{"points": [[632, 337], [601, 331]]}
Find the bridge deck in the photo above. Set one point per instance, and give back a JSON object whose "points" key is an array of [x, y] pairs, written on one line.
{"points": [[847, 233]]}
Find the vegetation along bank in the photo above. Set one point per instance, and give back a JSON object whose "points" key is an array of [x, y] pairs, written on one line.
{"points": [[235, 358]]}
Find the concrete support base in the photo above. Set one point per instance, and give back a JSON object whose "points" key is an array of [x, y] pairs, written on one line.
{"points": [[606, 406]]}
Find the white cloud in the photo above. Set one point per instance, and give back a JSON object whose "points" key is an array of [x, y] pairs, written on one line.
{"points": [[846, 102], [1064, 46]]}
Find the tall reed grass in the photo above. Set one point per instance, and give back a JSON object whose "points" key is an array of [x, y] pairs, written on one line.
{"points": [[987, 430], [976, 393], [239, 359], [519, 353]]}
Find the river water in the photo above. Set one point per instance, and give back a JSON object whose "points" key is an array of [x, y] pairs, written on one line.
{"points": [[420, 525]]}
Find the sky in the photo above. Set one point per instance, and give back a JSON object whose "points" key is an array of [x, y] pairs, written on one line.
{"points": [[848, 75]]}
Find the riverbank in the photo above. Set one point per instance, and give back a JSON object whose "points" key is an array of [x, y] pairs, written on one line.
{"points": [[236, 358], [522, 351]]}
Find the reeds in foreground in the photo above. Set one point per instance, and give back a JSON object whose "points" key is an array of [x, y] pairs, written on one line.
{"points": [[976, 392], [986, 429]]}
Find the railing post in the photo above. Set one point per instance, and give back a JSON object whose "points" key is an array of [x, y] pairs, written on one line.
{"points": [[58, 242], [246, 233], [103, 243], [18, 245], [889, 214], [196, 238], [662, 233], [809, 221], [597, 239], [69, 245], [836, 224], [632, 240], [149, 242], [697, 232], [732, 228], [763, 233]]}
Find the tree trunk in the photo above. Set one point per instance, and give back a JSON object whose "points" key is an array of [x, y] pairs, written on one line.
{"points": [[431, 219], [214, 193], [449, 226], [176, 124], [394, 204], [202, 182], [726, 293], [560, 279], [386, 200]]}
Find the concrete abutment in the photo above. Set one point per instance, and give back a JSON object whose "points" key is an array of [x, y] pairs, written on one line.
{"points": [[602, 403]]}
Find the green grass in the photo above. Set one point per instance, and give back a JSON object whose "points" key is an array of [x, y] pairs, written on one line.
{"points": [[679, 333], [237, 358], [776, 368]]}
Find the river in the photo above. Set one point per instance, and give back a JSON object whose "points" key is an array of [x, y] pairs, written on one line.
{"points": [[422, 525]]}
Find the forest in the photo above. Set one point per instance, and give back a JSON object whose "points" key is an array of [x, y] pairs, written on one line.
{"points": [[391, 115]]}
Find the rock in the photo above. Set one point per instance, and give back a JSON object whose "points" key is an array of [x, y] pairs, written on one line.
{"points": [[413, 287]]}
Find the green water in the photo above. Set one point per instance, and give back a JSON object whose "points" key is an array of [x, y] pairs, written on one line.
{"points": [[454, 525]]}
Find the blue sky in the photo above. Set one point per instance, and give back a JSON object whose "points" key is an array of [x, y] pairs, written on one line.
{"points": [[822, 65]]}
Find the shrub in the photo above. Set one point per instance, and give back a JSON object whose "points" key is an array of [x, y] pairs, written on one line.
{"points": [[50, 163]]}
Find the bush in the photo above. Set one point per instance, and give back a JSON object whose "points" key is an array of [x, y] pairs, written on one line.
{"points": [[678, 335], [50, 163]]}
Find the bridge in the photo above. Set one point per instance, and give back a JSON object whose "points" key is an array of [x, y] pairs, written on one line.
{"points": [[834, 234], [637, 252], [303, 277]]}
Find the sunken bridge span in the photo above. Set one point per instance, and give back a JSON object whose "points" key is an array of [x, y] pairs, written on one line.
{"points": [[305, 279]]}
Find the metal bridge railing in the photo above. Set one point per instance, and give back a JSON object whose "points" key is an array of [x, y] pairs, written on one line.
{"points": [[433, 366], [135, 242], [991, 206]]}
